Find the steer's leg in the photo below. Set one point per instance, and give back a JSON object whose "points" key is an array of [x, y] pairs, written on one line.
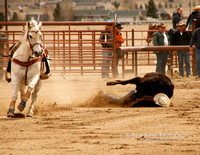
{"points": [[129, 99], [135, 80], [103, 99], [125, 101]]}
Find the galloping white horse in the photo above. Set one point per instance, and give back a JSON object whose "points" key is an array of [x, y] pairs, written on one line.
{"points": [[26, 68]]}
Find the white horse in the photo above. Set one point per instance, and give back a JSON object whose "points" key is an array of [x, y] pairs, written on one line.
{"points": [[26, 69]]}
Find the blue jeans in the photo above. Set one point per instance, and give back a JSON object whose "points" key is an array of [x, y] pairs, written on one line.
{"points": [[107, 61], [184, 55], [197, 61], [161, 61]]}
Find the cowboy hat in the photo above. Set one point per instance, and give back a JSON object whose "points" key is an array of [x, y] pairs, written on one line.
{"points": [[162, 100], [162, 25], [180, 24], [119, 26], [196, 8]]}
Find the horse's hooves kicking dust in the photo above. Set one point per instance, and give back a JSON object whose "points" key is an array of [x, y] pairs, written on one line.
{"points": [[19, 115]]}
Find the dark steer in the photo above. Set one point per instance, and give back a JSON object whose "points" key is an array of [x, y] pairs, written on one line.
{"points": [[147, 88]]}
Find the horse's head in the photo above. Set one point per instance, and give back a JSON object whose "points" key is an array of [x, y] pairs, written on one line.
{"points": [[34, 37], [150, 32]]}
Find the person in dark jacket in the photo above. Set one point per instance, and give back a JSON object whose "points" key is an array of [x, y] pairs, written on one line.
{"points": [[196, 40], [177, 17], [192, 16], [106, 40], [161, 38], [182, 37]]}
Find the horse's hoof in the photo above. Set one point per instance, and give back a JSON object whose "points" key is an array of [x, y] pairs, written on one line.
{"points": [[7, 78], [29, 115], [11, 112], [21, 106], [45, 76]]}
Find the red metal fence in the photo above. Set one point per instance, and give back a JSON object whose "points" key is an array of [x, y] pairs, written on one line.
{"points": [[74, 46]]}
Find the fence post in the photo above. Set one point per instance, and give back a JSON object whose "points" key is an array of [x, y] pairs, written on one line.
{"points": [[123, 67], [114, 64], [194, 26], [54, 48], [69, 48], [64, 51], [93, 48], [133, 53], [80, 45]]}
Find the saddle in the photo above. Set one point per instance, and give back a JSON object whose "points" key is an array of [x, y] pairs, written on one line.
{"points": [[45, 59], [12, 50]]}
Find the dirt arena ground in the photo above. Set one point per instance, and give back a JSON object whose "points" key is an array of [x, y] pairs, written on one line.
{"points": [[65, 122]]}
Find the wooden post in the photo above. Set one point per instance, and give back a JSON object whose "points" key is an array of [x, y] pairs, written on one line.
{"points": [[133, 55]]}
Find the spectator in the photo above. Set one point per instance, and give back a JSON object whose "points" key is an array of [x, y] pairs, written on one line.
{"points": [[192, 16], [106, 40], [177, 17], [161, 38], [119, 41], [182, 37], [196, 40]]}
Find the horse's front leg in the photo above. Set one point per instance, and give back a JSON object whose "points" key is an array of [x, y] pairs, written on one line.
{"points": [[30, 88], [34, 98], [22, 89], [15, 88]]}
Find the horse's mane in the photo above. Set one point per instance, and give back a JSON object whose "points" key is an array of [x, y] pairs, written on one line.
{"points": [[24, 38]]}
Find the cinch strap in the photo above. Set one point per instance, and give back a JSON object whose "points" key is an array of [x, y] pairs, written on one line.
{"points": [[26, 63]]}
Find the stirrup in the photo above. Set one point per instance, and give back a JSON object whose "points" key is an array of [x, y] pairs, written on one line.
{"points": [[6, 77], [11, 112], [45, 76]]}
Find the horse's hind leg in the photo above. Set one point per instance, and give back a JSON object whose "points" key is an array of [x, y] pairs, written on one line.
{"points": [[34, 98]]}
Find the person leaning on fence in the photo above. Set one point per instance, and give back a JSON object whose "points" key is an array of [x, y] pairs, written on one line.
{"points": [[106, 40], [192, 16], [196, 40], [119, 41], [177, 17], [182, 37], [161, 38]]}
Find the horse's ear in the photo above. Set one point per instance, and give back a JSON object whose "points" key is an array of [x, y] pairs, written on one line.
{"points": [[39, 25]]}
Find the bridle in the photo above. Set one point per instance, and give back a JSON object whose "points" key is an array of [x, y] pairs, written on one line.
{"points": [[32, 45], [30, 62]]}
